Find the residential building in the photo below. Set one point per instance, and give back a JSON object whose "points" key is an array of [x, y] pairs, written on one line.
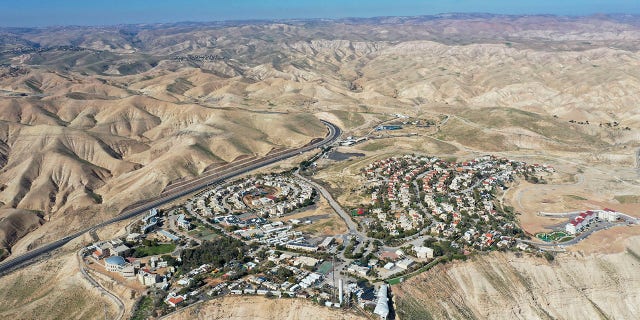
{"points": [[182, 222], [174, 300], [359, 270], [326, 242], [423, 252], [405, 263], [305, 261], [608, 215], [128, 271], [571, 227], [301, 246]]}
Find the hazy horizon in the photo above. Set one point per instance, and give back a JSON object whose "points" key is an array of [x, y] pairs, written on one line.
{"points": [[33, 13]]}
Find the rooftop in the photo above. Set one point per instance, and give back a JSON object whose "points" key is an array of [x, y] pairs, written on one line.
{"points": [[115, 260]]}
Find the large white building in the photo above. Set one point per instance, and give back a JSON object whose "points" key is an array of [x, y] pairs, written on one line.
{"points": [[382, 305], [608, 215], [571, 227], [423, 252], [114, 263], [405, 263], [183, 222], [578, 223]]}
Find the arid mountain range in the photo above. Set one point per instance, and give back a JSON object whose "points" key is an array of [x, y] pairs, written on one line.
{"points": [[93, 119]]}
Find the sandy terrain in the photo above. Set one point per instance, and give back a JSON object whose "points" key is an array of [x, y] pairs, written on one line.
{"points": [[614, 240], [241, 308], [55, 286], [326, 222], [591, 189]]}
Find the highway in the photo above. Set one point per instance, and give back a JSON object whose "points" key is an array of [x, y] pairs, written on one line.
{"points": [[174, 192]]}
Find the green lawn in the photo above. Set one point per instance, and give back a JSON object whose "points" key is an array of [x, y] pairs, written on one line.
{"points": [[553, 236], [155, 250], [204, 233], [395, 281], [325, 268], [565, 239]]}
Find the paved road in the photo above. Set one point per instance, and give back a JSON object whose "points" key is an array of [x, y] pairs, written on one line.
{"points": [[352, 226], [416, 239], [102, 289], [559, 214], [175, 192]]}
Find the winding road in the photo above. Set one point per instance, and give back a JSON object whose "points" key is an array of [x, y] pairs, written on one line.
{"points": [[103, 290], [174, 192]]}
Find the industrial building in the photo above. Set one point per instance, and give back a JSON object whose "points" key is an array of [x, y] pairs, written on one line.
{"points": [[382, 306]]}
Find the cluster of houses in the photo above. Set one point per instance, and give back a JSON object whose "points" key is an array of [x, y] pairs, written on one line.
{"points": [[116, 255], [303, 281], [584, 219], [390, 261], [273, 234], [242, 221], [452, 192], [270, 195]]}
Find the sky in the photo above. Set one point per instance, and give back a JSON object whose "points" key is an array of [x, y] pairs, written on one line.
{"points": [[37, 13]]}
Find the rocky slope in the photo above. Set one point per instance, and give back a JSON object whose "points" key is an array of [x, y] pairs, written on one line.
{"points": [[506, 286], [240, 308]]}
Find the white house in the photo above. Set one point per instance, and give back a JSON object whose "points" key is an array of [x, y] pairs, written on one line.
{"points": [[183, 223], [146, 278], [128, 271], [382, 305], [405, 263], [608, 215], [362, 271], [571, 227], [423, 252]]}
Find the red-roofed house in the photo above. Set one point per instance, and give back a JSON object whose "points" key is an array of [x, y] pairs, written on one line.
{"points": [[174, 300], [572, 227]]}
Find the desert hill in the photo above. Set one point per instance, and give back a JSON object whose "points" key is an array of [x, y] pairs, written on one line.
{"points": [[89, 114], [502, 285], [93, 119]]}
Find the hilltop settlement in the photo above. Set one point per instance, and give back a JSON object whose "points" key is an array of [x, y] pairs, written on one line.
{"points": [[237, 237]]}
